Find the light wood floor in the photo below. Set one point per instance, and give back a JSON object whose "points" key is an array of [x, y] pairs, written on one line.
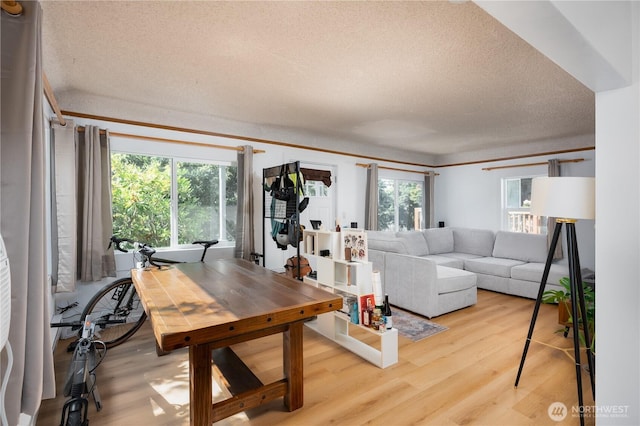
{"points": [[463, 376]]}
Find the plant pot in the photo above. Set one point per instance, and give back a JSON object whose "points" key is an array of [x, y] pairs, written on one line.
{"points": [[564, 309]]}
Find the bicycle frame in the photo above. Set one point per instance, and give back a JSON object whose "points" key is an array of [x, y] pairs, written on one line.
{"points": [[81, 381], [120, 309]]}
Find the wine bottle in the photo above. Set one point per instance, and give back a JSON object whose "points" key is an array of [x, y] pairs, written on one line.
{"points": [[388, 316]]}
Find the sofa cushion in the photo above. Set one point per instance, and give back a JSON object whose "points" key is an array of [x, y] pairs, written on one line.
{"points": [[492, 266], [461, 256], [473, 241], [385, 241], [533, 272], [439, 240], [451, 280], [442, 260], [415, 242], [521, 246]]}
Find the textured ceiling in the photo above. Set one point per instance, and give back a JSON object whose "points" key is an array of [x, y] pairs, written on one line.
{"points": [[431, 77]]}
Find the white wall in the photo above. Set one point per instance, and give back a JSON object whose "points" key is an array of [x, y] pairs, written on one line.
{"points": [[471, 197], [618, 250]]}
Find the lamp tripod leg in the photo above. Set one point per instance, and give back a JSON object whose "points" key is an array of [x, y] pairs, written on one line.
{"points": [[536, 309], [578, 291], [575, 310]]}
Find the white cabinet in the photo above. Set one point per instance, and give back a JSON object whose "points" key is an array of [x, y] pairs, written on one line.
{"points": [[351, 280]]}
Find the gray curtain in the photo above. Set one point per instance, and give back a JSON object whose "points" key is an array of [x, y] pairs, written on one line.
{"points": [[554, 170], [63, 207], [23, 212], [371, 199], [245, 244], [429, 184], [94, 224]]}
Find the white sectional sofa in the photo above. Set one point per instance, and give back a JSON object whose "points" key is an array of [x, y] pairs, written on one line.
{"points": [[438, 270]]}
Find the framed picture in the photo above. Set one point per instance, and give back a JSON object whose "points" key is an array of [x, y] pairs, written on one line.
{"points": [[354, 243]]}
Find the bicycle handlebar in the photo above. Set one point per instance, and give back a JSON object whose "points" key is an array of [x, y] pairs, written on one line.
{"points": [[148, 252], [117, 241]]}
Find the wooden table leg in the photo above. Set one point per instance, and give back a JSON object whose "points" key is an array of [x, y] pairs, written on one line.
{"points": [[293, 366], [200, 391]]}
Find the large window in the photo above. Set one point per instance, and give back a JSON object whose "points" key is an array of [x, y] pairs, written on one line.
{"points": [[400, 204], [167, 202], [516, 207]]}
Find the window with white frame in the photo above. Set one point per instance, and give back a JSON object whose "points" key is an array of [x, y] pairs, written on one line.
{"points": [[400, 204], [516, 207], [166, 201], [315, 188]]}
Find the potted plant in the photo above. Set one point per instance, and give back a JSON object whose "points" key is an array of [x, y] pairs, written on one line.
{"points": [[563, 298]]}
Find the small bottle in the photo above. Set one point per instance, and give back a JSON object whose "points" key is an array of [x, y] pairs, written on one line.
{"points": [[366, 314], [376, 319], [354, 312], [388, 317], [337, 225]]}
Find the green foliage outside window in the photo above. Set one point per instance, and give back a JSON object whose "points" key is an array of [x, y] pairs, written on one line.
{"points": [[409, 199], [141, 199], [199, 202], [386, 204], [406, 196]]}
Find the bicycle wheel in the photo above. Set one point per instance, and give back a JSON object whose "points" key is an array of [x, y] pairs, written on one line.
{"points": [[117, 312]]}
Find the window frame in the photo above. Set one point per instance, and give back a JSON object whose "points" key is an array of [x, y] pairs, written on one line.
{"points": [[194, 154], [398, 177], [504, 209]]}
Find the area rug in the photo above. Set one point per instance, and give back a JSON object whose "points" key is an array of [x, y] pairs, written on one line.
{"points": [[414, 327]]}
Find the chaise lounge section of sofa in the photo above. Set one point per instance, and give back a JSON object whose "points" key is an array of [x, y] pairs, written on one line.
{"points": [[438, 270]]}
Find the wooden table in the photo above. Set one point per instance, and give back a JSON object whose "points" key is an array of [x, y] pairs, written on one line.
{"points": [[211, 306]]}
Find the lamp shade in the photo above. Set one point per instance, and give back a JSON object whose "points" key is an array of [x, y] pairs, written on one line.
{"points": [[564, 197]]}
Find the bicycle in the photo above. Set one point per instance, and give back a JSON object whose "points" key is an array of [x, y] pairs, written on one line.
{"points": [[116, 307], [111, 317]]}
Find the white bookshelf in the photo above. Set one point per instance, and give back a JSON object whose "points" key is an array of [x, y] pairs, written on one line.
{"points": [[348, 279]]}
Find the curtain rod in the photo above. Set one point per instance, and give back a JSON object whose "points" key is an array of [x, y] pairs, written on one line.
{"points": [[400, 170], [206, 145], [165, 140], [48, 92], [575, 160], [12, 7], [230, 136]]}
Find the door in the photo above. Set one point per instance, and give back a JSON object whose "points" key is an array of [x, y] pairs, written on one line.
{"points": [[321, 200]]}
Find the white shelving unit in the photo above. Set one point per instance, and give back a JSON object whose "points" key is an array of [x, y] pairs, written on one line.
{"points": [[349, 279]]}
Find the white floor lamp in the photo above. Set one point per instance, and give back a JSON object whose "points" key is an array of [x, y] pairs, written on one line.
{"points": [[567, 199]]}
